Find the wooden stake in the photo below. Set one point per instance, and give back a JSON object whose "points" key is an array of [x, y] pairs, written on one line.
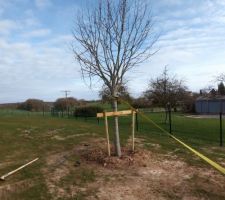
{"points": [[14, 171], [107, 133], [133, 129]]}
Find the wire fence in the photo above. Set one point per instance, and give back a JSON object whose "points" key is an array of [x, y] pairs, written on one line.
{"points": [[195, 129]]}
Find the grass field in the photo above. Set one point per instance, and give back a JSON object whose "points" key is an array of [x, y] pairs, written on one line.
{"points": [[25, 136], [202, 134]]}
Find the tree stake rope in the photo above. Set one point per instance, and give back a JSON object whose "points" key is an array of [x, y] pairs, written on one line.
{"points": [[206, 159]]}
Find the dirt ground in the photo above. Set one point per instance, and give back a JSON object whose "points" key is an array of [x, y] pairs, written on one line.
{"points": [[141, 175], [86, 172]]}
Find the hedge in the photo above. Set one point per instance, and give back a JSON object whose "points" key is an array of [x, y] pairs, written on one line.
{"points": [[88, 111]]}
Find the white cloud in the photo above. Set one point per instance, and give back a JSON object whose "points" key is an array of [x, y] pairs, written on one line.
{"points": [[192, 44], [29, 70], [42, 3], [37, 33], [6, 26], [194, 48], [30, 19]]}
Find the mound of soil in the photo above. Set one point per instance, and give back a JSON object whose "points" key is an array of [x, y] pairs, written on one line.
{"points": [[95, 153], [127, 159]]}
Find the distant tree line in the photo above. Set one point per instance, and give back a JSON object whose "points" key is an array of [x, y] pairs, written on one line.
{"points": [[70, 103], [161, 90], [61, 104], [61, 107]]}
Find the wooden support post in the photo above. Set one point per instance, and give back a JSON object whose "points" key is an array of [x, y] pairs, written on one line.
{"points": [[221, 129], [118, 113], [43, 111], [133, 129], [170, 120], [107, 133], [136, 121]]}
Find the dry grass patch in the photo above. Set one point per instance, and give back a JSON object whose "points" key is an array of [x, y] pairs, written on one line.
{"points": [[139, 175]]}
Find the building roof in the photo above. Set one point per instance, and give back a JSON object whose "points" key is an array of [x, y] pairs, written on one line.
{"points": [[207, 98]]}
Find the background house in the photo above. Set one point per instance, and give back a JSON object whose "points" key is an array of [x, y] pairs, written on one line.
{"points": [[210, 105]]}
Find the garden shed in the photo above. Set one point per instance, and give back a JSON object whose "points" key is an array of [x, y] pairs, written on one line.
{"points": [[210, 105]]}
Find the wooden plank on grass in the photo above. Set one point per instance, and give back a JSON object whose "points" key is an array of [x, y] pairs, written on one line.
{"points": [[14, 171]]}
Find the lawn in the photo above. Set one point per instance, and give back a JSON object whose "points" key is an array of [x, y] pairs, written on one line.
{"points": [[25, 136], [202, 134]]}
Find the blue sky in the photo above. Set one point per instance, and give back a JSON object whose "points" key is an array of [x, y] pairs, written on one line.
{"points": [[36, 60]]}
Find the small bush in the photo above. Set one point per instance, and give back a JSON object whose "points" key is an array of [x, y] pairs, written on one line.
{"points": [[88, 111]]}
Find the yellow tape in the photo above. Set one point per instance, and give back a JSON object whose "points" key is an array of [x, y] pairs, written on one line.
{"points": [[209, 161]]}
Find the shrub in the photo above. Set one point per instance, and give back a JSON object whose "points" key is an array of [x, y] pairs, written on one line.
{"points": [[61, 104], [88, 111], [32, 105]]}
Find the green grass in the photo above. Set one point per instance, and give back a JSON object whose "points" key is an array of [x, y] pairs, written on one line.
{"points": [[25, 136], [202, 134]]}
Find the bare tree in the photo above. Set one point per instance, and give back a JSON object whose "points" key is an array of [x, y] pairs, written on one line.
{"points": [[111, 39], [220, 78], [166, 89]]}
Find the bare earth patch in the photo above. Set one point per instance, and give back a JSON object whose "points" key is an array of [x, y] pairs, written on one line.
{"points": [[58, 137], [8, 189], [57, 168], [139, 175]]}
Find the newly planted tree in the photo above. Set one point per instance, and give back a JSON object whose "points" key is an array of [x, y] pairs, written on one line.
{"points": [[109, 40]]}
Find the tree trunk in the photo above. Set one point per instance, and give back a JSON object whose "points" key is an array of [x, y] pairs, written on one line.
{"points": [[116, 131]]}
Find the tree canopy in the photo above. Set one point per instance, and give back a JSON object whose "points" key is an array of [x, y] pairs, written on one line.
{"points": [[221, 88], [32, 105], [166, 89], [62, 104]]}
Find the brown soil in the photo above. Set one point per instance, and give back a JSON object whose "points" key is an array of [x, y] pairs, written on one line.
{"points": [[7, 190], [139, 175]]}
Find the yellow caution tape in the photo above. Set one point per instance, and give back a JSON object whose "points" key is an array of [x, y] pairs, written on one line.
{"points": [[209, 161]]}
